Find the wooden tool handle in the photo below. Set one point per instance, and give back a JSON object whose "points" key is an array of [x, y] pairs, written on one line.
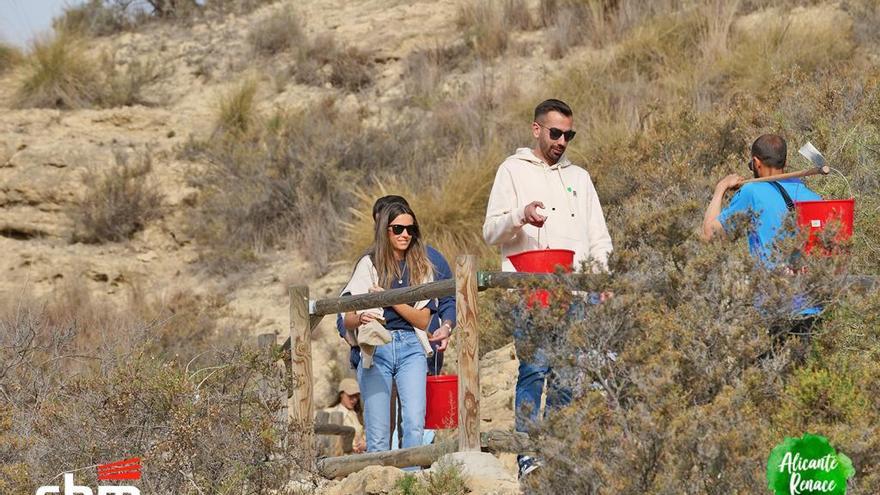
{"points": [[791, 175]]}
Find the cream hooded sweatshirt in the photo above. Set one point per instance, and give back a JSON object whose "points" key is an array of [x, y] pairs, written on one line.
{"points": [[574, 215]]}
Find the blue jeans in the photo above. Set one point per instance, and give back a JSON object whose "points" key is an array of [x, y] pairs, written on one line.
{"points": [[534, 369], [403, 361]]}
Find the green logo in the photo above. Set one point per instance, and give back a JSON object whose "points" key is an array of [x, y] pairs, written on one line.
{"points": [[808, 466]]}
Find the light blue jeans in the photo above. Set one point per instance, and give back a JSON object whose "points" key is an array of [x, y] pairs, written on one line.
{"points": [[401, 360]]}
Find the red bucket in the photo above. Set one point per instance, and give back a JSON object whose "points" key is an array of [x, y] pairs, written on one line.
{"points": [[816, 215], [441, 405], [542, 261]]}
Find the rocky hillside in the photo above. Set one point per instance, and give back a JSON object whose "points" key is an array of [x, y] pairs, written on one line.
{"points": [[186, 170]]}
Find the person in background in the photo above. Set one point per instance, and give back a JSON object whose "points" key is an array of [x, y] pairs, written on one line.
{"points": [[348, 402], [766, 205]]}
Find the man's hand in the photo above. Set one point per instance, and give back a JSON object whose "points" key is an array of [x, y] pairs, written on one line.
{"points": [[532, 216], [732, 181], [441, 335]]}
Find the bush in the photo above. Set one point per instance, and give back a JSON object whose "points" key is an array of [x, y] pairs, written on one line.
{"points": [[445, 479], [675, 374], [201, 428], [95, 18], [117, 203], [276, 34], [321, 61]]}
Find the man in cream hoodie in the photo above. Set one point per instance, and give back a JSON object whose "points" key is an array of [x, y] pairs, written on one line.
{"points": [[541, 200]]}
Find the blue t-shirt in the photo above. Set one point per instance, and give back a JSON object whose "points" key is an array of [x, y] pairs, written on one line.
{"points": [[767, 211]]}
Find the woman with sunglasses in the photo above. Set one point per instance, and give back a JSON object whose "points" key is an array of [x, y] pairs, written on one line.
{"points": [[397, 258]]}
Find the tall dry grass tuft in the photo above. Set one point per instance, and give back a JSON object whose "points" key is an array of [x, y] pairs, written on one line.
{"points": [[117, 203], [483, 26], [450, 214], [516, 15], [236, 110], [426, 69], [59, 75]]}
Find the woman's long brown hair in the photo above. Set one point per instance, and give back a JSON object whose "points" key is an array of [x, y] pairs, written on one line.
{"points": [[420, 267]]}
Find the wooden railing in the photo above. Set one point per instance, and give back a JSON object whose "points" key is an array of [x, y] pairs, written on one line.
{"points": [[305, 315]]}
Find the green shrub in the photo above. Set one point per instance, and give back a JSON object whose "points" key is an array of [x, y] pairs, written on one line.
{"points": [[445, 479], [117, 203]]}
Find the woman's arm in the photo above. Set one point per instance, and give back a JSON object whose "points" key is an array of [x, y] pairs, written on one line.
{"points": [[418, 318]]}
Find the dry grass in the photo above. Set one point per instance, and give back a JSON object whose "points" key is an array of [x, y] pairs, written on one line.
{"points": [[276, 34], [96, 18], [236, 110], [426, 70], [516, 15], [199, 425], [117, 203], [10, 56], [60, 74], [483, 26], [322, 60]]}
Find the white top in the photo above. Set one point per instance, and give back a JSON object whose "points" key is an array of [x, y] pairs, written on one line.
{"points": [[574, 215]]}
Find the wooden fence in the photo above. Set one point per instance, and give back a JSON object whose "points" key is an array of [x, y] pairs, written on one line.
{"points": [[306, 314]]}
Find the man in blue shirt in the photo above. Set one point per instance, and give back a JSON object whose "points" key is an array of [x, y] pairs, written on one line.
{"points": [[766, 204]]}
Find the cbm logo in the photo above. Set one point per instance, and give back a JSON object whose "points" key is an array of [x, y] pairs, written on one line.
{"points": [[127, 469]]}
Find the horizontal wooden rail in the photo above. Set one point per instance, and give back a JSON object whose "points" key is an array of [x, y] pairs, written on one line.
{"points": [[385, 298], [441, 288], [492, 441]]}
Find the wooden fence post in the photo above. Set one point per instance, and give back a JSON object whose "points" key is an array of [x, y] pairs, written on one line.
{"points": [[468, 357], [300, 407]]}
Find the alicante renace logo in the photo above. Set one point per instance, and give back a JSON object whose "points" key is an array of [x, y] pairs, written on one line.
{"points": [[124, 470], [808, 466]]}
